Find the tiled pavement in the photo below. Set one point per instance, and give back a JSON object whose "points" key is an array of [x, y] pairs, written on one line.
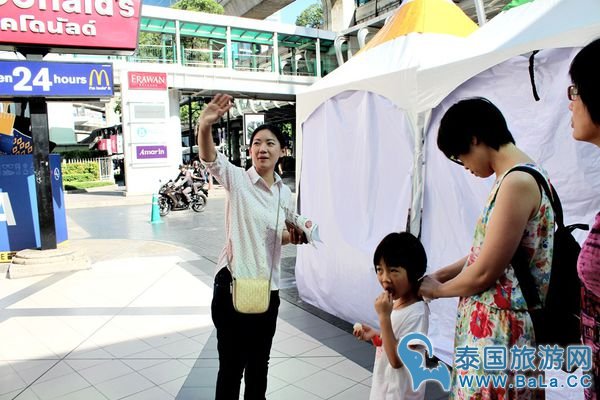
{"points": [[137, 325]]}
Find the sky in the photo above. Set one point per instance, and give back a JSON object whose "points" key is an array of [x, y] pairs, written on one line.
{"points": [[287, 14], [292, 10]]}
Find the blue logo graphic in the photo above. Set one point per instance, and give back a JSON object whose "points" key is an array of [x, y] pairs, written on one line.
{"points": [[415, 363]]}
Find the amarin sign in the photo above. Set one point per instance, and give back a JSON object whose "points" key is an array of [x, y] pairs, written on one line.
{"points": [[76, 25]]}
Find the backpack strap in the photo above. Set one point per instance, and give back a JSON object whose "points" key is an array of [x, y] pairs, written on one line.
{"points": [[549, 190], [520, 260]]}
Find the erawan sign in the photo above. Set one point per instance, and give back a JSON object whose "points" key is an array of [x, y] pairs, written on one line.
{"points": [[146, 80], [99, 25]]}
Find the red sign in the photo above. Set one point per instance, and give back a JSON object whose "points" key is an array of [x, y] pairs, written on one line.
{"points": [[146, 80], [70, 25]]}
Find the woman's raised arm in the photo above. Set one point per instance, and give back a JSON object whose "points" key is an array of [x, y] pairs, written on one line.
{"points": [[217, 107]]}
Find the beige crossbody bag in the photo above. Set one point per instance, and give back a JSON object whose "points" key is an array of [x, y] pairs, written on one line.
{"points": [[252, 295]]}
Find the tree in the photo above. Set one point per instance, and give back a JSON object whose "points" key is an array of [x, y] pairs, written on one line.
{"points": [[184, 110], [311, 17], [207, 6]]}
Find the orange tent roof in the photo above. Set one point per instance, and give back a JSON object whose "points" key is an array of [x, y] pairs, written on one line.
{"points": [[424, 16]]}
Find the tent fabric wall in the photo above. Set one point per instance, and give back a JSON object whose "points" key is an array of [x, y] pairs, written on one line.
{"points": [[417, 73], [454, 198], [356, 184]]}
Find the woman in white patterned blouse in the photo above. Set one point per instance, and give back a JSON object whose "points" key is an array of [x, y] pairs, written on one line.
{"points": [[255, 229]]}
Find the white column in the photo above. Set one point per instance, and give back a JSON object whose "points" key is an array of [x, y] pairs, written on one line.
{"points": [[179, 59], [481, 17], [276, 53], [318, 57], [229, 58]]}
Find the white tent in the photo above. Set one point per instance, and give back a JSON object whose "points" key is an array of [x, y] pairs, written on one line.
{"points": [[356, 179], [367, 129]]}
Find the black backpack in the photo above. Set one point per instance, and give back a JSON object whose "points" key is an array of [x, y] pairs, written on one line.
{"points": [[557, 320]]}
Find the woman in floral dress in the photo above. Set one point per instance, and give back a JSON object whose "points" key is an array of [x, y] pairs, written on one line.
{"points": [[585, 107], [492, 310]]}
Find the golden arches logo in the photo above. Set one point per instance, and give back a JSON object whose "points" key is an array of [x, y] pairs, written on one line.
{"points": [[99, 75]]}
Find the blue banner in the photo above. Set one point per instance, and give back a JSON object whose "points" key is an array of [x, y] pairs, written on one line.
{"points": [[55, 79], [19, 216]]}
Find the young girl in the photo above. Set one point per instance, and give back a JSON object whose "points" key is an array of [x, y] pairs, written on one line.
{"points": [[400, 261]]}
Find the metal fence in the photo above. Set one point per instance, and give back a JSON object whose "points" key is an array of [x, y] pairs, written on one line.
{"points": [[105, 166]]}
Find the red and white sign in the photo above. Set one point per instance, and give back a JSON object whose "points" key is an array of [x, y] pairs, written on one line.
{"points": [[146, 80], [109, 25]]}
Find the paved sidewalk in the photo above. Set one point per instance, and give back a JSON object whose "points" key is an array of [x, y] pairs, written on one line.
{"points": [[137, 325]]}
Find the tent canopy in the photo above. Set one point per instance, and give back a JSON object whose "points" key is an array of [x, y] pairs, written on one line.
{"points": [[410, 41]]}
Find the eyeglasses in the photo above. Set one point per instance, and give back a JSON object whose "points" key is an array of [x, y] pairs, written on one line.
{"points": [[456, 160], [572, 92]]}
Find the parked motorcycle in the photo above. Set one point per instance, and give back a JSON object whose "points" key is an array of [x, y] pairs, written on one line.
{"points": [[171, 198]]}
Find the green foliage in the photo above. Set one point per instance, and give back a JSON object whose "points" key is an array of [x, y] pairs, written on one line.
{"points": [[80, 172], [118, 107], [311, 17], [149, 39], [86, 185], [196, 111], [286, 129], [207, 6], [79, 178]]}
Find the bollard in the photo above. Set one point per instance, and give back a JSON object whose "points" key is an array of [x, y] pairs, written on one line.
{"points": [[155, 216]]}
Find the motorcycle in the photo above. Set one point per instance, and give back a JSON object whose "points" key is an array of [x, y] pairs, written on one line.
{"points": [[171, 198]]}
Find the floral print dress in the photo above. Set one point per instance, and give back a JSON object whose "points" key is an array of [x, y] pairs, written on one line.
{"points": [[498, 316]]}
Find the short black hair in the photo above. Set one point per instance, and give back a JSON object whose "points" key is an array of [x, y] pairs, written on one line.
{"points": [[584, 75], [274, 130], [472, 118], [402, 249]]}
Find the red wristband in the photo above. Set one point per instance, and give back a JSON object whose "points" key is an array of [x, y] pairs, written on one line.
{"points": [[377, 342]]}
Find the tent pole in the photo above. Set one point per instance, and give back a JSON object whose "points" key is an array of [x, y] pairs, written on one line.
{"points": [[481, 17]]}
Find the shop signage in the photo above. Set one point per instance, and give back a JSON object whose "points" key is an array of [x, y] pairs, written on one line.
{"points": [[143, 152], [108, 25], [54, 79], [146, 80], [19, 211]]}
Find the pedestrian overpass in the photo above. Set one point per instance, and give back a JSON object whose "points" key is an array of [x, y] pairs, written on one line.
{"points": [[192, 55], [203, 53]]}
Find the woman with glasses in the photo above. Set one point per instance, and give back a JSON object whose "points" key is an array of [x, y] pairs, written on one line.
{"points": [[584, 95], [492, 310]]}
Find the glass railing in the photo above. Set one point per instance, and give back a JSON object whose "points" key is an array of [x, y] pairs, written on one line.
{"points": [[302, 68], [153, 54], [203, 58], [206, 58], [251, 62]]}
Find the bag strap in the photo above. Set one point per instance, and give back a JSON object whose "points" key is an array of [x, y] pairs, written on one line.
{"points": [[276, 234], [520, 260], [549, 190], [274, 241]]}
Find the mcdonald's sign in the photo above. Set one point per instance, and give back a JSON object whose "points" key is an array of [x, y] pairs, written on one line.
{"points": [[96, 77], [71, 26], [56, 79]]}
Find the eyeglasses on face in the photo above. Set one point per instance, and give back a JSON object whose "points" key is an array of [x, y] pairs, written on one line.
{"points": [[456, 160], [572, 92]]}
